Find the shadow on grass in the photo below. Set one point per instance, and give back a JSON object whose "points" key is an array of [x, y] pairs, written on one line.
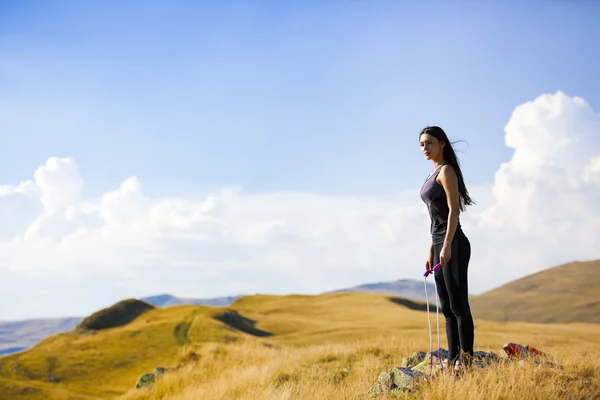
{"points": [[412, 305], [241, 323]]}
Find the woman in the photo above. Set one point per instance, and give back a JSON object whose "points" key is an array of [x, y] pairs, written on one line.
{"points": [[445, 194]]}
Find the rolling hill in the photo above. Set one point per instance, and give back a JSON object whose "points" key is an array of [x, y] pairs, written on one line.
{"points": [[109, 349], [110, 346], [565, 293], [20, 335], [104, 354], [17, 336], [103, 357]]}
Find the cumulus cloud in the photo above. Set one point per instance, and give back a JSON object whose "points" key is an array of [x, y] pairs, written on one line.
{"points": [[84, 253], [546, 207]]}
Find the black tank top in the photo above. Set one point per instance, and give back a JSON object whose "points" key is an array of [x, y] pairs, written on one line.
{"points": [[434, 196]]}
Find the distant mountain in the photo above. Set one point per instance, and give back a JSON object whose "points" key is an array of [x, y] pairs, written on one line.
{"points": [[19, 335], [10, 350], [565, 293], [166, 300], [407, 288]]}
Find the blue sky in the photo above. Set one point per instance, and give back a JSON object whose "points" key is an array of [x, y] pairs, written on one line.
{"points": [[323, 96], [125, 125]]}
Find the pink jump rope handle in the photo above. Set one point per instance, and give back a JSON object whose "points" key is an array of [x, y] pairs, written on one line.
{"points": [[426, 274]]}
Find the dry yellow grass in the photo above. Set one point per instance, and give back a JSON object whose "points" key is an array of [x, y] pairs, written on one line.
{"points": [[335, 346], [318, 347], [251, 370]]}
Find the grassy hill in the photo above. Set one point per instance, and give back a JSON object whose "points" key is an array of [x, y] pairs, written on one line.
{"points": [[259, 347], [566, 293], [20, 335], [93, 363]]}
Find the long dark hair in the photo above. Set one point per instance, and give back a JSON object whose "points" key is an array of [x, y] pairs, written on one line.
{"points": [[450, 158]]}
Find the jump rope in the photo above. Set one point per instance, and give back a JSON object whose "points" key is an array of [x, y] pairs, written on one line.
{"points": [[437, 311]]}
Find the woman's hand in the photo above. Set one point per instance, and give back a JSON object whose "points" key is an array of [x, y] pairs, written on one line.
{"points": [[445, 255], [429, 262]]}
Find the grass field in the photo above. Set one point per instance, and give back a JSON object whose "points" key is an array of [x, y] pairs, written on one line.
{"points": [[297, 347], [250, 370]]}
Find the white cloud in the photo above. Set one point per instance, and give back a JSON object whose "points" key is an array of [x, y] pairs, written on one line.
{"points": [[541, 210], [546, 206], [59, 182], [550, 187]]}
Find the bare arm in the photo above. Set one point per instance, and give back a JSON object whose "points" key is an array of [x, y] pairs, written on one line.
{"points": [[449, 181]]}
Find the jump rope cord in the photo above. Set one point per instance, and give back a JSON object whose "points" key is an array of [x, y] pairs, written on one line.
{"points": [[437, 311], [429, 323]]}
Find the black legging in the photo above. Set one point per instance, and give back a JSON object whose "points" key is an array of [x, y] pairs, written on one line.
{"points": [[453, 290]]}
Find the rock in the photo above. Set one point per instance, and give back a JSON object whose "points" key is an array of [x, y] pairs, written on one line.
{"points": [[444, 354], [482, 359], [406, 378], [145, 380], [525, 353], [396, 379], [149, 379], [430, 363], [416, 368], [416, 358], [487, 356], [383, 386], [516, 351]]}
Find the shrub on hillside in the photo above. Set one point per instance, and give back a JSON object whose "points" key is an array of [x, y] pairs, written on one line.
{"points": [[116, 315]]}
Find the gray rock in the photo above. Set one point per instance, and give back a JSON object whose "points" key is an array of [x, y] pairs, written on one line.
{"points": [[430, 363], [149, 379], [444, 354], [396, 379], [383, 385], [413, 360], [406, 378], [416, 369], [482, 359], [145, 380]]}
